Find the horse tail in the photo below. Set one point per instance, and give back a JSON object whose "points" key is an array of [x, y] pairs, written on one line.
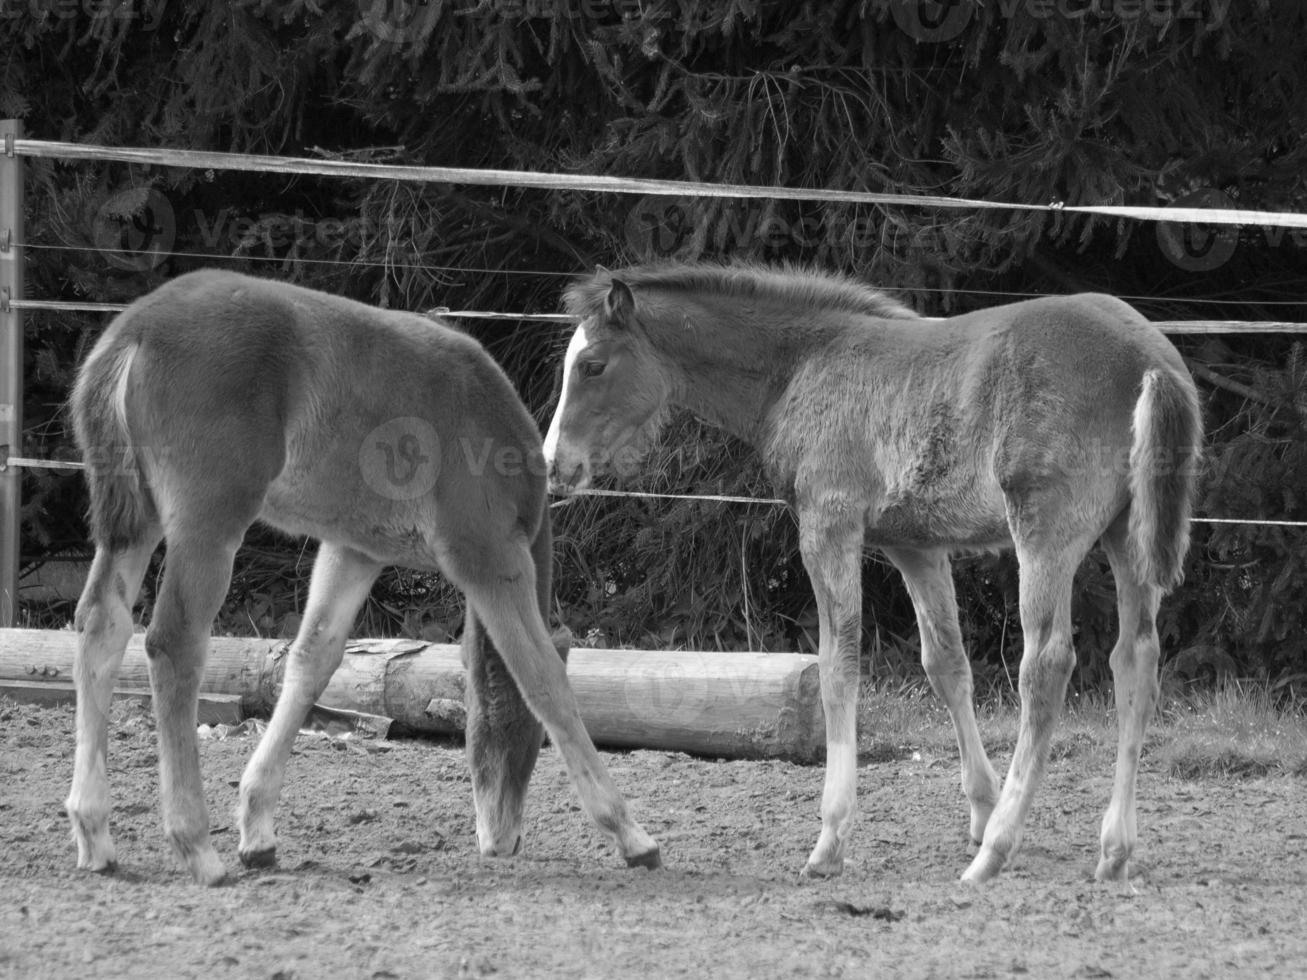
{"points": [[122, 508], [542, 554], [542, 551], [1164, 456]]}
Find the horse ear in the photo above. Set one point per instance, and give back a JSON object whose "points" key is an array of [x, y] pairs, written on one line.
{"points": [[619, 304]]}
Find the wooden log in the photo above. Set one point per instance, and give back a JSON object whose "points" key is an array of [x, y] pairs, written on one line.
{"points": [[734, 705]]}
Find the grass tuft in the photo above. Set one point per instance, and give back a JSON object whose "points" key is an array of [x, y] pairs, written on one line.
{"points": [[1241, 730]]}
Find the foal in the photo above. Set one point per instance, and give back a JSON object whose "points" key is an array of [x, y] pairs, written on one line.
{"points": [[219, 399], [1043, 426]]}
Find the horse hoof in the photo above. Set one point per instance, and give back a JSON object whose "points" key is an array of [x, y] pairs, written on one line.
{"points": [[106, 868], [492, 851], [815, 872], [652, 860], [1111, 869], [263, 858], [984, 867]]}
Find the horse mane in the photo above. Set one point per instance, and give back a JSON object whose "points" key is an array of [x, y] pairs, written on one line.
{"points": [[787, 284]]}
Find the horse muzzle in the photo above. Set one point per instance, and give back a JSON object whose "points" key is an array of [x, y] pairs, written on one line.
{"points": [[568, 476]]}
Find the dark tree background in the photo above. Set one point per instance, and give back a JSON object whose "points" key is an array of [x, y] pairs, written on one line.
{"points": [[1144, 102]]}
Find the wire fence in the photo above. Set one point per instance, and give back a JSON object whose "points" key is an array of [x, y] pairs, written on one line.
{"points": [[334, 167], [1166, 326], [254, 163]]}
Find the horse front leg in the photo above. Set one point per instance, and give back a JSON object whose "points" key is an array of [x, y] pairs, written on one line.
{"points": [[341, 581], [832, 553], [505, 602]]}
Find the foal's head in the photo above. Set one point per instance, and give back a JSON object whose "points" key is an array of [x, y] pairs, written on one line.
{"points": [[615, 389]]}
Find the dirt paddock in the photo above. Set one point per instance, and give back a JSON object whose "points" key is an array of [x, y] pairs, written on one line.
{"points": [[380, 877]]}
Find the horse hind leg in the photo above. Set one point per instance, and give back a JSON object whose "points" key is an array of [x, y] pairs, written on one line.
{"points": [[341, 581], [503, 742], [929, 579], [197, 572], [499, 583], [104, 625], [503, 736], [1047, 567], [1134, 668]]}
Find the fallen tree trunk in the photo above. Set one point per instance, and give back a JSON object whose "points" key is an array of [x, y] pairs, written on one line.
{"points": [[736, 705]]}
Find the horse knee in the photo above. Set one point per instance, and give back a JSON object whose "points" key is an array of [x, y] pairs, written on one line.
{"points": [[842, 671], [1049, 668], [947, 669], [101, 622], [160, 639]]}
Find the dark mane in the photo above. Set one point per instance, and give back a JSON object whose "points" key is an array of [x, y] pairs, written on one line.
{"points": [[788, 284]]}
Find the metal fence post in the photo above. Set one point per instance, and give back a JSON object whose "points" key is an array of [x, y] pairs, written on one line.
{"points": [[11, 366]]}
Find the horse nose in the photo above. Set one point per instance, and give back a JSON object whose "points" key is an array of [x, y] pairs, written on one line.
{"points": [[561, 481]]}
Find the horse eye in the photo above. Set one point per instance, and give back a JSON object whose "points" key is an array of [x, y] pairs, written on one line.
{"points": [[591, 369]]}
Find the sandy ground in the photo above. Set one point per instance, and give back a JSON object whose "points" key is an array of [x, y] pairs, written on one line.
{"points": [[380, 876]]}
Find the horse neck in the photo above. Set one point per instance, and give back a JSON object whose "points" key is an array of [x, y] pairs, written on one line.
{"points": [[729, 363]]}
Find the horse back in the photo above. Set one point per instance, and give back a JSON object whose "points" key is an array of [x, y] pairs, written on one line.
{"points": [[931, 426], [373, 427]]}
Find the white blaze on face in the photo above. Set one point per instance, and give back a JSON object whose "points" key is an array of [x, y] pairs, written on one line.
{"points": [[579, 343]]}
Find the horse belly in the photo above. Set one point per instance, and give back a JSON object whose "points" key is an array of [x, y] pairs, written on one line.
{"points": [[972, 518], [390, 530]]}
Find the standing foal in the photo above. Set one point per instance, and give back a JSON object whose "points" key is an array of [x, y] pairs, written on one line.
{"points": [[219, 399], [1042, 426]]}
